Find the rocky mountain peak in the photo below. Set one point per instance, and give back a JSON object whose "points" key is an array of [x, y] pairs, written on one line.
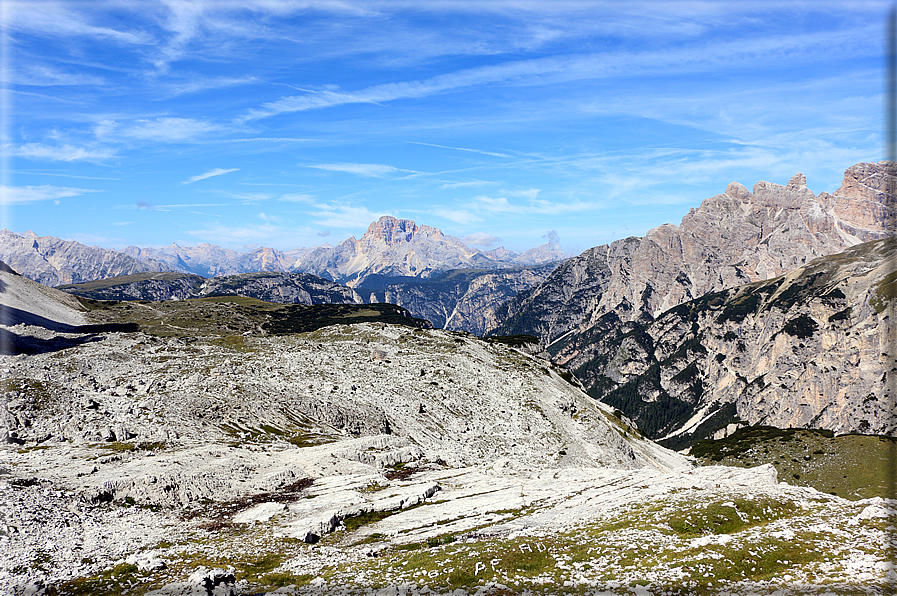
{"points": [[870, 181], [392, 231], [731, 239], [737, 190], [797, 182]]}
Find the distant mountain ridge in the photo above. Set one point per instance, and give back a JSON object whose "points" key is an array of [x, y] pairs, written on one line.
{"points": [[209, 260], [283, 288], [52, 261], [390, 248]]}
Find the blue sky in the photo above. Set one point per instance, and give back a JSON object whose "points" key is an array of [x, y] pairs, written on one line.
{"points": [[291, 123]]}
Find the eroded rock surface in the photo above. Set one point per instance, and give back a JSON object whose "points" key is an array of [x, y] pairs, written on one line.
{"points": [[733, 238], [367, 457], [810, 349]]}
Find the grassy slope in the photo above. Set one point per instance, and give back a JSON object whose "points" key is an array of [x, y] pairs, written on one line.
{"points": [[850, 466], [235, 315]]}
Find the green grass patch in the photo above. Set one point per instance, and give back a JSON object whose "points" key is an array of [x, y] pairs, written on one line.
{"points": [[234, 342], [226, 318], [354, 522], [851, 466], [730, 516], [113, 582]]}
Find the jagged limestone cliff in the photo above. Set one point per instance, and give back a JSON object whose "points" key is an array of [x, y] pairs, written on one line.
{"points": [[399, 248], [731, 239], [809, 349]]}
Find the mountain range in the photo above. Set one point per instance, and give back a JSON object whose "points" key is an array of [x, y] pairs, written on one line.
{"points": [[391, 248], [602, 313], [233, 446]]}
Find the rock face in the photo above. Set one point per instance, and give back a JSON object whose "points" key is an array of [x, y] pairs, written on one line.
{"points": [[731, 239], [456, 397], [463, 300], [53, 262], [284, 288], [809, 349], [139, 286], [400, 248]]}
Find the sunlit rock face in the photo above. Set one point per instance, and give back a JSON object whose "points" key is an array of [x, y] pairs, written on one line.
{"points": [[400, 248], [464, 300], [733, 238], [595, 311], [809, 349]]}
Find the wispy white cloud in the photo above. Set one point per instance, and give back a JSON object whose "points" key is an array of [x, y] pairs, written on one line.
{"points": [[527, 193], [317, 99], [480, 151], [56, 19], [481, 239], [262, 140], [249, 197], [296, 198], [461, 216], [63, 152], [167, 129], [200, 84], [42, 75], [372, 170], [65, 175], [488, 204], [236, 235], [343, 216], [209, 174], [94, 239], [449, 185], [10, 195], [151, 207], [553, 69]]}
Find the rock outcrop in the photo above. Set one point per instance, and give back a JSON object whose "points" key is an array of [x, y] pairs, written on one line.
{"points": [[809, 349], [25, 301], [283, 288], [139, 286], [733, 238]]}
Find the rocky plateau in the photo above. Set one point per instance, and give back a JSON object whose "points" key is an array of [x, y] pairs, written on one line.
{"points": [[371, 458], [283, 288]]}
